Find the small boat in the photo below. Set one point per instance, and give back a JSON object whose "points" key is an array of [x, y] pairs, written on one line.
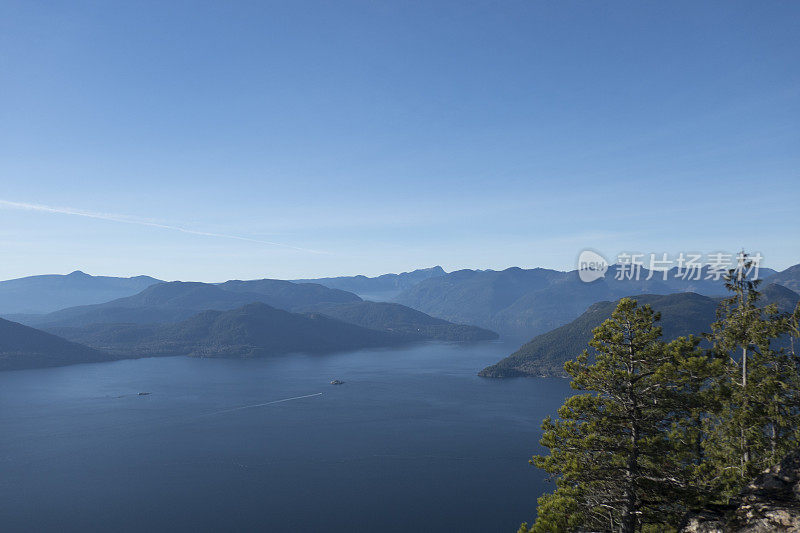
{"points": [[337, 382], [144, 393]]}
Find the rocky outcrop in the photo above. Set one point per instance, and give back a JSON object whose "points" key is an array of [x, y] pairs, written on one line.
{"points": [[771, 503]]}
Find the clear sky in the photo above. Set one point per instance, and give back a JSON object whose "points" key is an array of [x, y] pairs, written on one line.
{"points": [[216, 140]]}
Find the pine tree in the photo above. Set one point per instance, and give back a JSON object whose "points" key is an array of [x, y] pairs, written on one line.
{"points": [[623, 454], [758, 420], [664, 427], [689, 376]]}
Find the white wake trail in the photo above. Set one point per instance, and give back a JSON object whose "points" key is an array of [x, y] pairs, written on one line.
{"points": [[266, 403]]}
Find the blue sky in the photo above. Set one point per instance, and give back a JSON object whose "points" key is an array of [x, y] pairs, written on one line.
{"points": [[217, 140]]}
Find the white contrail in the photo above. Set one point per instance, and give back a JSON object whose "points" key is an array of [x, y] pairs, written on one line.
{"points": [[263, 404], [139, 222]]}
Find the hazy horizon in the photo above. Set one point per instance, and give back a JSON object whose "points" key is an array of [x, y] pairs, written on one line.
{"points": [[321, 276]]}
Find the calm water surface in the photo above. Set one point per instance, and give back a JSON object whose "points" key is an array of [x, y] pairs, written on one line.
{"points": [[413, 441]]}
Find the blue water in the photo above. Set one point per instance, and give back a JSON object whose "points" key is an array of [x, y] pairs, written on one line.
{"points": [[413, 441]]}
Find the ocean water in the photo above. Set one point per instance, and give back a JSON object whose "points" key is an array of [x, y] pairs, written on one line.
{"points": [[413, 441]]}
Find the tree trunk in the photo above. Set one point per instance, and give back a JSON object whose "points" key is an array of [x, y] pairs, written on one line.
{"points": [[744, 366], [629, 518], [629, 511], [745, 446]]}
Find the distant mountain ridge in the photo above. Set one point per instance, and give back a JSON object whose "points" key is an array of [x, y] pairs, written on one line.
{"points": [[173, 317], [682, 314], [290, 295], [381, 287], [47, 293], [24, 347], [178, 300], [514, 301], [396, 323], [789, 278], [252, 330], [400, 319], [521, 303]]}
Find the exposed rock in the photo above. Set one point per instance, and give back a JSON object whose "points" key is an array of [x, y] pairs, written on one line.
{"points": [[770, 503], [711, 520]]}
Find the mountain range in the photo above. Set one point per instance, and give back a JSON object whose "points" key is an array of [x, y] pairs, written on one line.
{"points": [[789, 278], [154, 317], [178, 300], [520, 303], [25, 347], [43, 294], [380, 288], [682, 314], [399, 319], [235, 318], [252, 330], [395, 323]]}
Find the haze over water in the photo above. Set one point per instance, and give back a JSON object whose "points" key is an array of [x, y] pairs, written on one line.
{"points": [[413, 441]]}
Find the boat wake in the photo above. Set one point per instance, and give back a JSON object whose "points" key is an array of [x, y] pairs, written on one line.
{"points": [[264, 404]]}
